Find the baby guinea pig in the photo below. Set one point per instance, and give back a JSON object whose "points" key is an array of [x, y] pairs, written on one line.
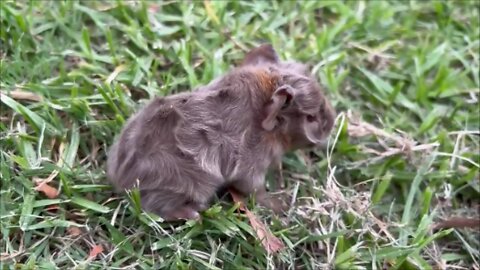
{"points": [[182, 148]]}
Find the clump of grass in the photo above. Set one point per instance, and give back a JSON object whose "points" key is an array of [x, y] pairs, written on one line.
{"points": [[405, 153]]}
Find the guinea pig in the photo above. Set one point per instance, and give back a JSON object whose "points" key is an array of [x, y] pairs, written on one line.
{"points": [[179, 150]]}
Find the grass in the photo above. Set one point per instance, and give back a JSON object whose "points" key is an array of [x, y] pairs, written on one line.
{"points": [[403, 76]]}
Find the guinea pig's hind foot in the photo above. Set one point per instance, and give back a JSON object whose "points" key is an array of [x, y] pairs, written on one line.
{"points": [[274, 202], [182, 213]]}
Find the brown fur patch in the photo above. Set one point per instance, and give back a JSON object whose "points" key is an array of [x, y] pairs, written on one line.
{"points": [[266, 80]]}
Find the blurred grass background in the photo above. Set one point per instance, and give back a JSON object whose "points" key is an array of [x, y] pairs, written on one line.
{"points": [[403, 75]]}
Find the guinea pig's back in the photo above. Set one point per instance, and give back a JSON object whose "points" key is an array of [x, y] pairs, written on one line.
{"points": [[145, 143]]}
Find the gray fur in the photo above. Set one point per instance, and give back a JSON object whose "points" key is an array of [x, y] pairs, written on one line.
{"points": [[182, 148]]}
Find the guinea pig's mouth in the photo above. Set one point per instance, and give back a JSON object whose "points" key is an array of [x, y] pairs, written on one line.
{"points": [[323, 144]]}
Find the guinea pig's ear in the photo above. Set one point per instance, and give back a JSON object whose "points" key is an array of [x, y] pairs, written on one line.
{"points": [[261, 55], [281, 99]]}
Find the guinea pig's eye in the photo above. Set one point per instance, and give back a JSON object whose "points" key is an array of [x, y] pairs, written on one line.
{"points": [[311, 118]]}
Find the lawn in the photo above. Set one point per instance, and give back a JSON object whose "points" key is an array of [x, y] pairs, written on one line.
{"points": [[403, 156]]}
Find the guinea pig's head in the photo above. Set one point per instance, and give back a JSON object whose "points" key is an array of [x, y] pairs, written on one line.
{"points": [[297, 107]]}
